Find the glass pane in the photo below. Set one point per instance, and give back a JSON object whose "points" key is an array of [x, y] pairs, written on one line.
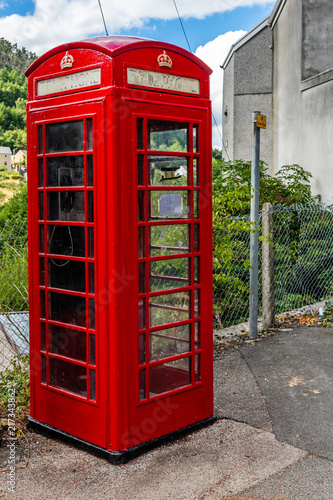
{"points": [[140, 170], [43, 369], [41, 239], [197, 303], [142, 316], [139, 133], [197, 335], [67, 342], [169, 376], [40, 172], [168, 171], [169, 308], [169, 205], [40, 139], [65, 136], [42, 304], [141, 242], [142, 349], [196, 270], [142, 385], [42, 272], [196, 204], [169, 239], [89, 134], [66, 205], [195, 138], [90, 199], [67, 376], [167, 135], [196, 245], [91, 252], [169, 342], [195, 172], [66, 240], [42, 337], [142, 278], [90, 170], [65, 171], [91, 269], [167, 274], [67, 308], [67, 275], [141, 206], [91, 314], [41, 206], [197, 374], [92, 388], [92, 349]]}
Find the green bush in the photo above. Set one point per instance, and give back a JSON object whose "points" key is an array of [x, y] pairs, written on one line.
{"points": [[232, 228], [16, 375]]}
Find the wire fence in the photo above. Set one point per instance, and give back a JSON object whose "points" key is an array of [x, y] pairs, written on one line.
{"points": [[299, 241], [295, 270], [14, 323]]}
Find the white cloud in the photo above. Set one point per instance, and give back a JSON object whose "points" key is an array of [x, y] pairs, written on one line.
{"points": [[56, 22], [214, 54]]}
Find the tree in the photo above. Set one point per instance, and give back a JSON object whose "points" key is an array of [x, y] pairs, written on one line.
{"points": [[13, 57], [13, 96], [231, 225]]}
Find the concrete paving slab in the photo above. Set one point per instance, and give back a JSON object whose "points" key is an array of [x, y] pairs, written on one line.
{"points": [[294, 370], [310, 479], [236, 392], [214, 462]]}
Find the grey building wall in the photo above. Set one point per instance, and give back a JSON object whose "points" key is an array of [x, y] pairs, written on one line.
{"points": [[287, 105], [247, 88], [317, 46], [228, 111], [303, 105], [317, 143], [243, 132]]}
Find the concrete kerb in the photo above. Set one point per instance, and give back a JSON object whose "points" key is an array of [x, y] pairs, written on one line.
{"points": [[241, 330]]}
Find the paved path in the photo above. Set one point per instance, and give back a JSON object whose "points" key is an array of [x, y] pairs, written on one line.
{"points": [[272, 440]]}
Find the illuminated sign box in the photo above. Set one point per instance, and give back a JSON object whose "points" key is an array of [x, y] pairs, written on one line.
{"points": [[152, 79], [73, 81]]}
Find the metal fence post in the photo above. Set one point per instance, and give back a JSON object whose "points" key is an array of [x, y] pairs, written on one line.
{"points": [[267, 270], [254, 240]]}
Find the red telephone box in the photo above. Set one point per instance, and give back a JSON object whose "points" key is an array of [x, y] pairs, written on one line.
{"points": [[120, 241]]}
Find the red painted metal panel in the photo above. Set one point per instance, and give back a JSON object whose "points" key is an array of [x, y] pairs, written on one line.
{"points": [[92, 391]]}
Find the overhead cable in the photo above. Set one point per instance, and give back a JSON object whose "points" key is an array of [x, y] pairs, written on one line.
{"points": [[102, 14]]}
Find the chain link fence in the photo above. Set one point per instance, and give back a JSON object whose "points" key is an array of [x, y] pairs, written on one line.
{"points": [[295, 270], [296, 252], [14, 323]]}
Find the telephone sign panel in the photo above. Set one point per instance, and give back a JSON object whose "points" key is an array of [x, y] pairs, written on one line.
{"points": [[120, 244]]}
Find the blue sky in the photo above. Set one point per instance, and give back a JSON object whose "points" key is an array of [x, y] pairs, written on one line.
{"points": [[211, 26]]}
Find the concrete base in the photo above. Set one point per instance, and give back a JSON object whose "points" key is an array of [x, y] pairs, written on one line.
{"points": [[116, 457]]}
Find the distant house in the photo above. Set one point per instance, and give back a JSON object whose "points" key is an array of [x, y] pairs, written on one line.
{"points": [[284, 68], [5, 157], [19, 162]]}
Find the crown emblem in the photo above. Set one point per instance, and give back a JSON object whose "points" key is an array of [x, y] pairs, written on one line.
{"points": [[67, 61], [164, 60]]}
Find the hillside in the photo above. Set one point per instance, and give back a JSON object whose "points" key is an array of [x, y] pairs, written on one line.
{"points": [[13, 97], [12, 57], [13, 94]]}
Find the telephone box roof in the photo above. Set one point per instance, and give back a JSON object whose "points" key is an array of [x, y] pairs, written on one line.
{"points": [[114, 46]]}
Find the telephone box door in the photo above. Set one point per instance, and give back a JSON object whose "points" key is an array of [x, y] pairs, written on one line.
{"points": [[169, 353], [68, 358]]}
